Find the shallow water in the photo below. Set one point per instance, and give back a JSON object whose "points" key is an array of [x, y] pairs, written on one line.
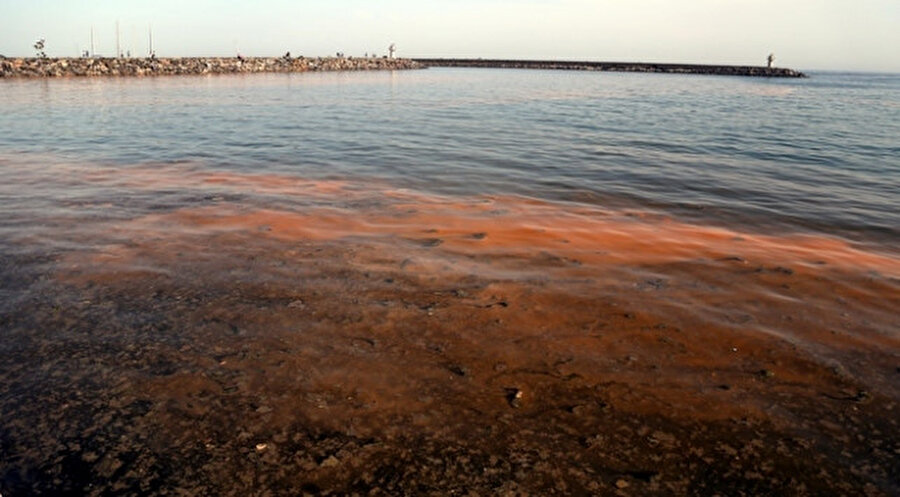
{"points": [[305, 283]]}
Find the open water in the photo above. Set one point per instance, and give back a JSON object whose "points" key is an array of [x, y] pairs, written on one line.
{"points": [[816, 154]]}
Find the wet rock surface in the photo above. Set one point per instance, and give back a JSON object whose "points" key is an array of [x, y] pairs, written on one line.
{"points": [[108, 66]]}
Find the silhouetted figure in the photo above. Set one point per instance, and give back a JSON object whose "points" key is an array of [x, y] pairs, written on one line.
{"points": [[770, 60], [391, 50], [39, 47]]}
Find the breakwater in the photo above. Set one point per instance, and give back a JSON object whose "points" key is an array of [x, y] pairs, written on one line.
{"points": [[62, 67], [760, 71]]}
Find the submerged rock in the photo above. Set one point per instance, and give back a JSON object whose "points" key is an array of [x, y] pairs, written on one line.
{"points": [[514, 397]]}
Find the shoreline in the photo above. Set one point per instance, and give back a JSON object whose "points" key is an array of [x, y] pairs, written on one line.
{"points": [[31, 67], [718, 70]]}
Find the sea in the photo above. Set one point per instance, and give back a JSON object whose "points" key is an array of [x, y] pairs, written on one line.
{"points": [[450, 280], [817, 154]]}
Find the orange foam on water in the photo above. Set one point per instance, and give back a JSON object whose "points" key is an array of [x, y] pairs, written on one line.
{"points": [[477, 224], [529, 228]]}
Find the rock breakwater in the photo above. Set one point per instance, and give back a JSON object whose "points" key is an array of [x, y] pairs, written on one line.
{"points": [[761, 71], [63, 67]]}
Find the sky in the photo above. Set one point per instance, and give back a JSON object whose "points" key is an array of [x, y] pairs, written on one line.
{"points": [[803, 34]]}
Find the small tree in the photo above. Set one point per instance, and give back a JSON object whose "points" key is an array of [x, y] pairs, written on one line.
{"points": [[39, 47]]}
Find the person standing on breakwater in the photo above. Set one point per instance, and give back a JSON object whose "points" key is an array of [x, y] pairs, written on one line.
{"points": [[770, 60]]}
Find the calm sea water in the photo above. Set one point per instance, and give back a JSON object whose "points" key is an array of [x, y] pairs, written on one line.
{"points": [[215, 282], [818, 154]]}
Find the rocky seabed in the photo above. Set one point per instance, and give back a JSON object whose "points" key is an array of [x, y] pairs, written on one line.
{"points": [[63, 67]]}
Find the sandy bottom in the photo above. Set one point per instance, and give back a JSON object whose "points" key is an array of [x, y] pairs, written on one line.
{"points": [[343, 339]]}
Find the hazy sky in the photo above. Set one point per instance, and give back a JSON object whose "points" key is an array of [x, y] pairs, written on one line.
{"points": [[804, 34]]}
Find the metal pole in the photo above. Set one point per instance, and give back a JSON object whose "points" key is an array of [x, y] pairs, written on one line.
{"points": [[150, 31], [118, 50], [92, 41]]}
